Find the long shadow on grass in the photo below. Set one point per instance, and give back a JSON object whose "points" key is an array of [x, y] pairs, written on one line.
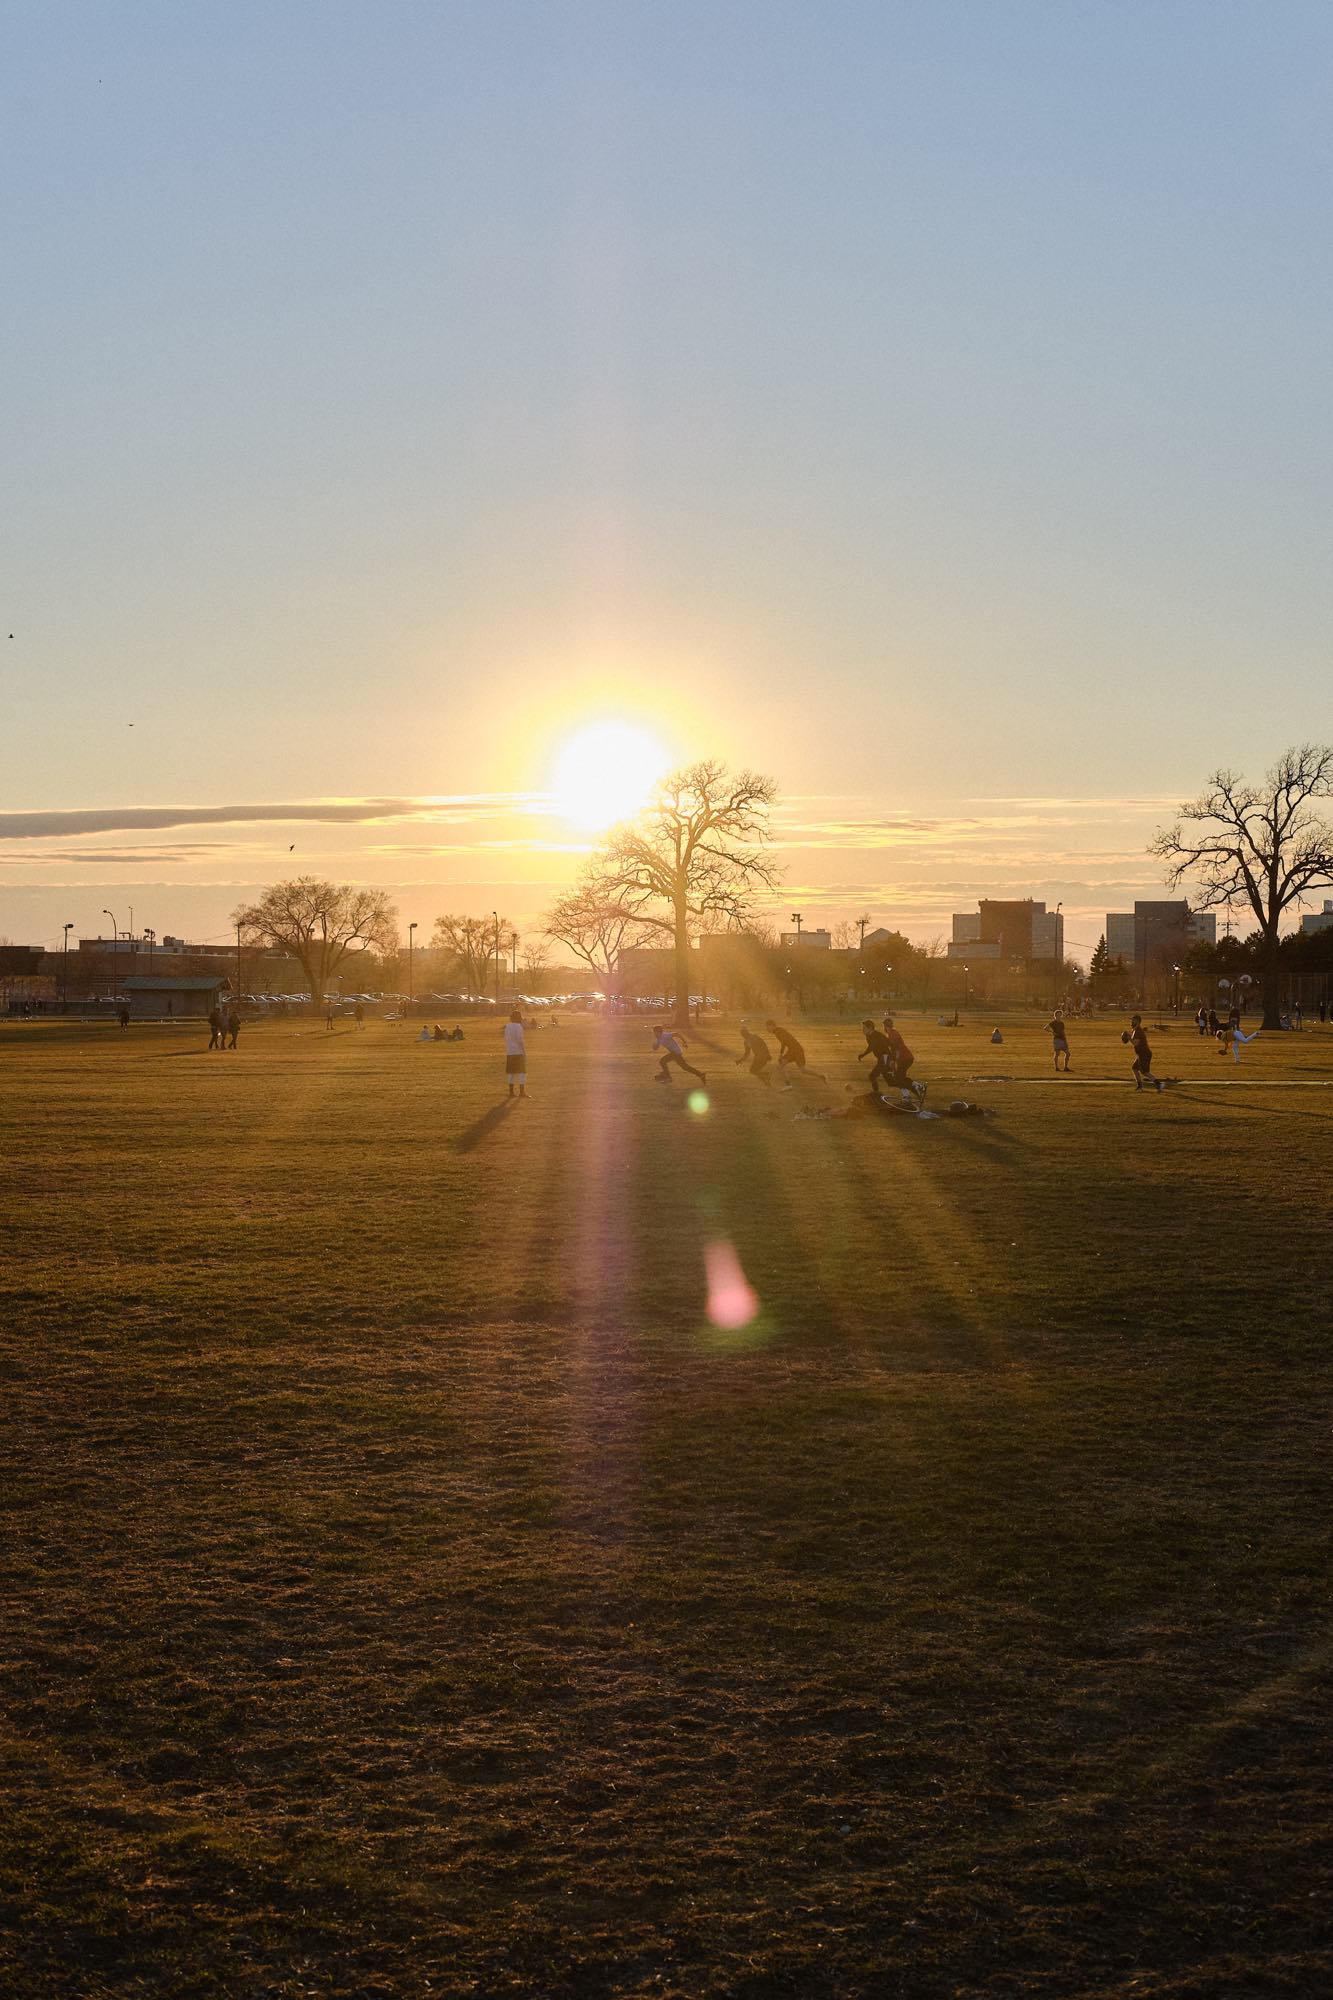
{"points": [[481, 1128]]}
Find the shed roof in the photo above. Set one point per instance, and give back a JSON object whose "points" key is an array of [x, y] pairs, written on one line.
{"points": [[172, 985]]}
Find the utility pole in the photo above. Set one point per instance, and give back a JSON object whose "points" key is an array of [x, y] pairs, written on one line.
{"points": [[496, 915], [64, 970], [411, 939], [861, 923], [796, 919], [1056, 956], [238, 968], [115, 948]]}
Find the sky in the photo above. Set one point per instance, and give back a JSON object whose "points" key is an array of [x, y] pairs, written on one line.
{"points": [[926, 404]]}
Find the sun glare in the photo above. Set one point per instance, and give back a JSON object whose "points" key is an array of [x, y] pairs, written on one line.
{"points": [[606, 773]]}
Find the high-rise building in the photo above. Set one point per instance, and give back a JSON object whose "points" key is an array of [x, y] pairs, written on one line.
{"points": [[1018, 929], [1155, 928]]}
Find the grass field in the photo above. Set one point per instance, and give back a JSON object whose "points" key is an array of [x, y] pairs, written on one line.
{"points": [[410, 1591]]}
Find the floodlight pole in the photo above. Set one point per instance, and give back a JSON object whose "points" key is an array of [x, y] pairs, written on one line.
{"points": [[64, 970], [411, 940], [1055, 958], [115, 947], [496, 915]]}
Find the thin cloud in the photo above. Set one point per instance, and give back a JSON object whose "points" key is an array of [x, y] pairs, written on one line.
{"points": [[319, 812]]}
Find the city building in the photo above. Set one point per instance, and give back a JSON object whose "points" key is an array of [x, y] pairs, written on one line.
{"points": [[815, 940], [1156, 927], [1319, 920], [1018, 930]]}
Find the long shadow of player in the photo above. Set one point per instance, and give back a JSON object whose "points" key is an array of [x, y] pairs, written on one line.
{"points": [[467, 1142]]}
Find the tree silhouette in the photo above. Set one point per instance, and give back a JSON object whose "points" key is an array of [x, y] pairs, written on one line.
{"points": [[318, 923], [694, 858], [1260, 846]]}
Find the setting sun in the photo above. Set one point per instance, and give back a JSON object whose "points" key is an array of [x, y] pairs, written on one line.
{"points": [[606, 773]]}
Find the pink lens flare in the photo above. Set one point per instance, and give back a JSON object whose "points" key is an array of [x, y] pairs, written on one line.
{"points": [[732, 1300]]}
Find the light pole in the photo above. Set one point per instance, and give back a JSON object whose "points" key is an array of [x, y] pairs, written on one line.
{"points": [[411, 940], [496, 915], [151, 936], [115, 948], [64, 970], [513, 960], [967, 987], [1055, 958], [796, 919], [1176, 970], [238, 969]]}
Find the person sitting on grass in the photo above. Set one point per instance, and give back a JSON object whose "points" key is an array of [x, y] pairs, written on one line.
{"points": [[756, 1052]]}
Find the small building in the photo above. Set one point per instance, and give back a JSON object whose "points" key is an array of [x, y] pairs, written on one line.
{"points": [[172, 999], [1319, 920]]}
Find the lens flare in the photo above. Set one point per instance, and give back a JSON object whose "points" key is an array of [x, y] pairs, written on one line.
{"points": [[732, 1300], [698, 1103]]}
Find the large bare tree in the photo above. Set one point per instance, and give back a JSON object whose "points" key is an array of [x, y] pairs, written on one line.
{"points": [[318, 923], [694, 858], [473, 943], [1257, 846], [595, 928]]}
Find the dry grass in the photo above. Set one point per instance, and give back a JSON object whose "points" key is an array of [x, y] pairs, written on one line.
{"points": [[410, 1591]]}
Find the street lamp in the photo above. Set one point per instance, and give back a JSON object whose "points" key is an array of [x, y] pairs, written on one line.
{"points": [[1055, 959], [496, 915], [1176, 970], [967, 987], [151, 936], [64, 970], [411, 940], [115, 947]]}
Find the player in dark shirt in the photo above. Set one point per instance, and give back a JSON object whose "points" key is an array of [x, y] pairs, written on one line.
{"points": [[881, 1048], [1142, 1065], [791, 1054], [756, 1052], [1059, 1035]]}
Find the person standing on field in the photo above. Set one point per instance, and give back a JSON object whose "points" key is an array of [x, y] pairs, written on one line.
{"points": [[516, 1055], [233, 1026], [1142, 1064], [215, 1027], [1059, 1035]]}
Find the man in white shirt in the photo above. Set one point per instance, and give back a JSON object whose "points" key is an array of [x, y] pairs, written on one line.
{"points": [[516, 1055]]}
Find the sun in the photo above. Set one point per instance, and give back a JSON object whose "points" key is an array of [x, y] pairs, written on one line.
{"points": [[606, 772]]}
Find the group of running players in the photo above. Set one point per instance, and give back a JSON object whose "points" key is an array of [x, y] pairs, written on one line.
{"points": [[892, 1059]]}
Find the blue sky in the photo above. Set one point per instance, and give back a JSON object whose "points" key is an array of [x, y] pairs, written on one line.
{"points": [[929, 404]]}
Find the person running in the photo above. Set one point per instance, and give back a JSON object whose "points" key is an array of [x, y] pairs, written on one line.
{"points": [[791, 1055], [1142, 1064], [881, 1048], [1059, 1035], [756, 1052], [516, 1054], [672, 1045], [902, 1059], [215, 1027]]}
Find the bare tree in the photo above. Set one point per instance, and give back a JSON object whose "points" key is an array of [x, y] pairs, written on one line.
{"points": [[1261, 846], [695, 857], [595, 929], [472, 943], [318, 923], [535, 961]]}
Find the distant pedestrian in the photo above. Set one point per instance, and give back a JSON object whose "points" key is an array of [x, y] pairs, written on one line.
{"points": [[1142, 1065], [216, 1024], [328, 1015], [233, 1026], [123, 1016], [1059, 1035], [672, 1045], [756, 1053], [516, 1055], [360, 1013], [791, 1055]]}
